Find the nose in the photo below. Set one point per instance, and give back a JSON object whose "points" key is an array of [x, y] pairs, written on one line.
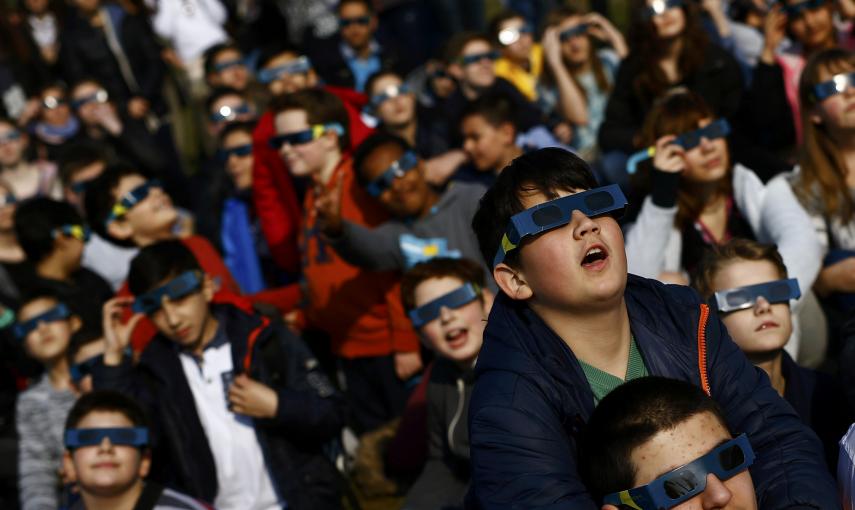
{"points": [[445, 314], [716, 495], [762, 305], [583, 225], [42, 326], [105, 444], [169, 312]]}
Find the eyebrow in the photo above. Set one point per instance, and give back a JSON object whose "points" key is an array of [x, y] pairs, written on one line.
{"points": [[666, 471]]}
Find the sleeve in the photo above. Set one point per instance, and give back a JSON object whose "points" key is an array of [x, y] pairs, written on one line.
{"points": [[520, 455], [620, 123], [790, 470], [375, 249], [37, 465], [650, 237], [731, 86], [404, 337], [216, 11]]}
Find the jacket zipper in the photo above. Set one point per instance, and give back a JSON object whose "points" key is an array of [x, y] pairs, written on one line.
{"points": [[702, 348]]}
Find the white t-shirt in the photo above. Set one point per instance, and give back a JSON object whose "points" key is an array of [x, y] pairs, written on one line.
{"points": [[190, 26], [110, 261], [242, 477]]}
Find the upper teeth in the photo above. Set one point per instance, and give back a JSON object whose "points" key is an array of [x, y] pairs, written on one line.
{"points": [[593, 251]]}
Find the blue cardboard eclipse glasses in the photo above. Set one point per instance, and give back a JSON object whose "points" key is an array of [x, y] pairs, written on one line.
{"points": [[10, 136], [182, 285], [230, 113], [131, 199], [580, 29], [8, 199], [305, 136], [681, 484], [299, 66], [228, 64], [454, 299], [511, 35], [658, 7], [58, 313], [740, 298], [388, 93], [836, 85], [240, 150], [688, 141], [796, 10], [126, 436], [477, 57], [606, 200], [79, 232], [99, 96], [395, 171], [358, 20]]}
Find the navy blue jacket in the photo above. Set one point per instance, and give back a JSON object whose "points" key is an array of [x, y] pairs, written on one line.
{"points": [[531, 398], [309, 415]]}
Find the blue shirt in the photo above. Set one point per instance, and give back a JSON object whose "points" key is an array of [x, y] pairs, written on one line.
{"points": [[361, 68]]}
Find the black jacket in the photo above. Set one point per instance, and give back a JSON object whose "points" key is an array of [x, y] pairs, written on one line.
{"points": [[310, 412], [531, 399], [718, 82]]}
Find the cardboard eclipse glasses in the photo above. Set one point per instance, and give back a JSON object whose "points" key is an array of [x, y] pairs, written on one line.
{"points": [[454, 299], [126, 436], [395, 171], [741, 298], [58, 313], [688, 141]]}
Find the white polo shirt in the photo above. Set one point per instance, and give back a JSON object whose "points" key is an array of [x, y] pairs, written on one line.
{"points": [[242, 477]]}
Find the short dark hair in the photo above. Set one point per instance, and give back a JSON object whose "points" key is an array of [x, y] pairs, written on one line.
{"points": [[321, 107], [495, 108], [273, 50], [35, 221], [464, 270], [221, 92], [628, 417], [98, 201], [498, 19], [233, 127], [545, 171], [76, 157], [455, 46], [108, 401], [211, 53], [40, 292], [158, 262], [378, 139], [734, 250]]}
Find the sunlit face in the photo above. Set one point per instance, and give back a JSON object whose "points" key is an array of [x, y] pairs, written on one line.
{"points": [[669, 24], [813, 28], [7, 209], [356, 35], [106, 469], [764, 327], [185, 320], [149, 217], [689, 440], [225, 110], [575, 50], [836, 111], [484, 143], [408, 196], [709, 161], [55, 108], [520, 49], [239, 167], [13, 142], [84, 353], [457, 333], [288, 83], [82, 176], [91, 111], [480, 74], [232, 76], [49, 341], [558, 270], [395, 111], [308, 158]]}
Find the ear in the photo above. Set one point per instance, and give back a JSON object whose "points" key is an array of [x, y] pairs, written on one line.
{"points": [[209, 287], [145, 463], [68, 466], [120, 229], [75, 323], [508, 133], [311, 79], [512, 282]]}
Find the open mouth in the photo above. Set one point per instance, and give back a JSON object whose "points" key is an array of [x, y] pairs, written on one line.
{"points": [[456, 337], [594, 257]]}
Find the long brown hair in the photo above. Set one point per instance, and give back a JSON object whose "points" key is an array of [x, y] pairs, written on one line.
{"points": [[648, 48], [822, 167], [676, 113], [553, 19]]}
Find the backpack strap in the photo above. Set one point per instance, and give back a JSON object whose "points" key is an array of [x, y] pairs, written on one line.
{"points": [[702, 348]]}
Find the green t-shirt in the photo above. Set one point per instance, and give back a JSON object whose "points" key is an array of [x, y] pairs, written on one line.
{"points": [[602, 383]]}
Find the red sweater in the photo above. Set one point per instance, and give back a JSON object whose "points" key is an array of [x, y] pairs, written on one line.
{"points": [[361, 310], [273, 188]]}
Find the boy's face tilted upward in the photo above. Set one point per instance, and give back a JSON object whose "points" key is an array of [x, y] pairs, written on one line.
{"points": [[48, 341], [106, 469], [578, 265], [149, 218]]}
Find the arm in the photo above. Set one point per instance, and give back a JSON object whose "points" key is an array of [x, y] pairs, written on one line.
{"points": [[790, 470], [375, 249], [38, 467], [574, 107]]}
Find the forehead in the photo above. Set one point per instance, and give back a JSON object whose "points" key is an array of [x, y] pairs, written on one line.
{"points": [[672, 448], [381, 158], [237, 138], [85, 88], [53, 91], [531, 197], [433, 288], [104, 419], [127, 183], [387, 80], [741, 273], [352, 9], [227, 54], [515, 22], [281, 59], [476, 46], [36, 307], [291, 120]]}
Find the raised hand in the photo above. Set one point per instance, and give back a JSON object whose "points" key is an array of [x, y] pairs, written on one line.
{"points": [[669, 156], [117, 335]]}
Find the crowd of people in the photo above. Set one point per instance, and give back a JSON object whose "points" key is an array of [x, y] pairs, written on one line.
{"points": [[427, 254]]}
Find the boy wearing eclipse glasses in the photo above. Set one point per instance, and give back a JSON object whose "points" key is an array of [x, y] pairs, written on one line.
{"points": [[747, 283], [108, 455], [448, 305], [241, 407], [660, 444], [570, 325]]}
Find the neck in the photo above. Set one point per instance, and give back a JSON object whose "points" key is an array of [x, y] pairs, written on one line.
{"points": [[771, 364], [327, 171], [59, 375], [470, 91], [673, 48], [598, 337], [127, 500], [510, 154], [52, 269], [406, 131], [430, 201], [581, 68], [209, 331], [144, 240], [844, 140]]}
